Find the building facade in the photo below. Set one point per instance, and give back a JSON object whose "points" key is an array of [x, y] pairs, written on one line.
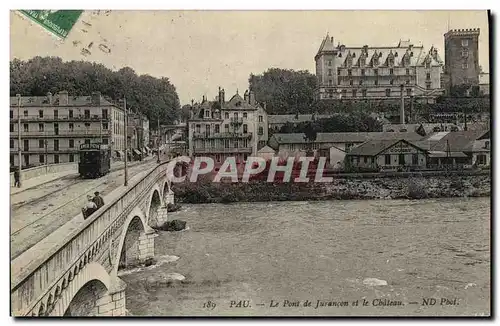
{"points": [[462, 57], [377, 73], [220, 129], [484, 83], [138, 133], [54, 126]]}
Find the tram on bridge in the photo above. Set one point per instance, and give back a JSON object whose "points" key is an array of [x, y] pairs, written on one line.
{"points": [[95, 160]]}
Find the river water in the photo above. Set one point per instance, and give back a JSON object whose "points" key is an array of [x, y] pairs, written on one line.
{"points": [[341, 252]]}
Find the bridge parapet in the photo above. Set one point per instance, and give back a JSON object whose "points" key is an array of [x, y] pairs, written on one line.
{"points": [[39, 279]]}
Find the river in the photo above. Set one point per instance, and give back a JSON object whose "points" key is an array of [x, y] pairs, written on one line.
{"points": [[332, 251]]}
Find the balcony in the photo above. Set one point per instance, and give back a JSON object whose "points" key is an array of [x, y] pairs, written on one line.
{"points": [[223, 150], [231, 135], [76, 118], [63, 133], [236, 121], [51, 150]]}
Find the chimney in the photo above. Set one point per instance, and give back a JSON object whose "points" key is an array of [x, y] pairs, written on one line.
{"points": [[245, 96], [402, 110], [63, 98], [49, 97], [252, 98], [220, 97], [223, 97], [96, 98]]}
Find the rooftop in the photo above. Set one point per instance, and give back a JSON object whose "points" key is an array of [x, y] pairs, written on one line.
{"points": [[39, 101], [345, 137]]}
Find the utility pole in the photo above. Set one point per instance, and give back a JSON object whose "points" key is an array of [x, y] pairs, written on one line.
{"points": [[19, 136], [158, 141], [46, 156], [126, 136]]}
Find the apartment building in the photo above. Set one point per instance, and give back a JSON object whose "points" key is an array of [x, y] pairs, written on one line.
{"points": [[220, 129], [54, 126], [377, 73]]}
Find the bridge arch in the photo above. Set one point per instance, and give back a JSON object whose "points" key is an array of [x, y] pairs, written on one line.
{"points": [[91, 284], [155, 202], [135, 241]]}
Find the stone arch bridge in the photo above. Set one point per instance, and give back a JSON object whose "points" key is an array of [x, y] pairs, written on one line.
{"points": [[76, 274]]}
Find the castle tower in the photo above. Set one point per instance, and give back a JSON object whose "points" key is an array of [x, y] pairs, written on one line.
{"points": [[462, 57]]}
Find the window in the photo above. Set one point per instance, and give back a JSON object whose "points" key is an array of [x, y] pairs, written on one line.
{"points": [[465, 54], [428, 85], [104, 113], [362, 72], [407, 82], [329, 62], [361, 82], [245, 115], [245, 129], [261, 131], [407, 71], [25, 113], [26, 145], [217, 129], [87, 125], [401, 159], [465, 65], [226, 115], [329, 72], [207, 114], [465, 42], [12, 143], [105, 141], [428, 76], [387, 92], [11, 127], [391, 81], [12, 160], [11, 114], [414, 159], [387, 159], [26, 159], [376, 82], [487, 144], [40, 127], [375, 71], [41, 159], [226, 127], [363, 91], [41, 143], [349, 72], [72, 143], [56, 158], [428, 64], [408, 92], [330, 82], [354, 91], [56, 144], [56, 114], [261, 118], [25, 127], [481, 159], [351, 82], [72, 157], [391, 71], [87, 114], [71, 127], [235, 115], [105, 125], [344, 92]]}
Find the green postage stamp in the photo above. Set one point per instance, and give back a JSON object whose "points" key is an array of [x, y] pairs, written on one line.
{"points": [[58, 22]]}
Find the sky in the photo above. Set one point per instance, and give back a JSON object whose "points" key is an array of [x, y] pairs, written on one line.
{"points": [[202, 50]]}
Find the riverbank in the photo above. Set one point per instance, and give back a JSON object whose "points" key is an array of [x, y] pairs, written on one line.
{"points": [[419, 187]]}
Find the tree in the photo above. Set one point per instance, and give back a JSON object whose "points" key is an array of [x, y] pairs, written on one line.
{"points": [[155, 97], [284, 90]]}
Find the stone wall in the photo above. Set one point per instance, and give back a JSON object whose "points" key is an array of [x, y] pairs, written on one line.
{"points": [[414, 187]]}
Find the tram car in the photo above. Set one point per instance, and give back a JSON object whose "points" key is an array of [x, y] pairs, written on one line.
{"points": [[95, 160]]}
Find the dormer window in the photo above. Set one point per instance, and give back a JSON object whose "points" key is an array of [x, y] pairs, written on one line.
{"points": [[238, 103], [207, 114], [487, 144]]}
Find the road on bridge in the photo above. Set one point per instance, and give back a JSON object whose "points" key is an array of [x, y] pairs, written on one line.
{"points": [[39, 211]]}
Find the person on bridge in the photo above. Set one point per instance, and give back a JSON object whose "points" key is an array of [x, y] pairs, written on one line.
{"points": [[89, 208], [98, 200], [16, 178]]}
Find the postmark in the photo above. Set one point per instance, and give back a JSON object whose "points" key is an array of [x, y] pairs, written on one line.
{"points": [[57, 22]]}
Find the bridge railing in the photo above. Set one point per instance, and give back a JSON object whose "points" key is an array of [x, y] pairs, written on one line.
{"points": [[45, 169], [36, 286]]}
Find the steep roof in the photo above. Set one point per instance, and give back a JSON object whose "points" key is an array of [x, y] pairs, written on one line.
{"points": [[345, 137], [374, 147], [415, 54], [40, 101], [457, 141]]}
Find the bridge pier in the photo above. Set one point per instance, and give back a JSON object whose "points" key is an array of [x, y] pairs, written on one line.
{"points": [[113, 302], [147, 245]]}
